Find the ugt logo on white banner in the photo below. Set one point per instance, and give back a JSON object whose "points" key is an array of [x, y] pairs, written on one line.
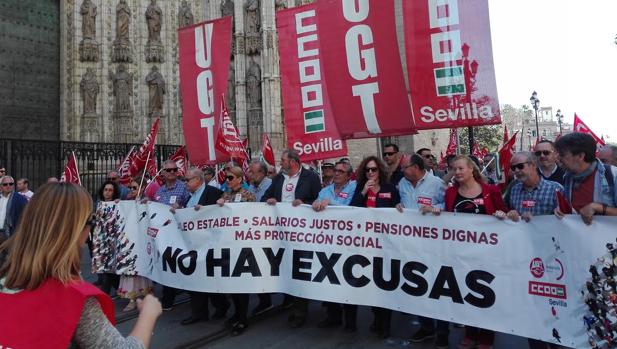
{"points": [[205, 83]]}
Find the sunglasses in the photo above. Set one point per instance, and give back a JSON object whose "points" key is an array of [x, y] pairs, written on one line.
{"points": [[133, 188], [171, 170], [230, 178], [2, 170], [518, 166], [389, 154], [112, 178], [427, 156], [8, 184], [543, 152], [372, 169]]}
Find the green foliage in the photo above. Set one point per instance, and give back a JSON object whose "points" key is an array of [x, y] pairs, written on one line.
{"points": [[490, 136]]}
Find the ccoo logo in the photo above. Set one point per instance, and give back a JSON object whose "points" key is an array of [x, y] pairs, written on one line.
{"points": [[537, 267]]}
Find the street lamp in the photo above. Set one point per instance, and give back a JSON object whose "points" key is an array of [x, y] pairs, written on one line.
{"points": [[559, 117], [535, 103]]}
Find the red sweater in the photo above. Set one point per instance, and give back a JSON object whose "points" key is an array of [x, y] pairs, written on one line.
{"points": [[490, 193]]}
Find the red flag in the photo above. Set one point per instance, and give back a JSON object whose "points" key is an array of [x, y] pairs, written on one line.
{"points": [[227, 140], [453, 144], [505, 155], [505, 134], [124, 170], [580, 126], [442, 161], [71, 174], [266, 149], [144, 157], [476, 150], [564, 205], [179, 157], [220, 176], [245, 143]]}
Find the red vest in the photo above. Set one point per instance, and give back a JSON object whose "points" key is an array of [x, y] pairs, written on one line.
{"points": [[46, 317]]}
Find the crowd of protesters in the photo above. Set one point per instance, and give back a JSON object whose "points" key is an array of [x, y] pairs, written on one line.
{"points": [[572, 166]]}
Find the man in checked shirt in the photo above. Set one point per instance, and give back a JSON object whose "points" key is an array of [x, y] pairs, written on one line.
{"points": [[532, 195]]}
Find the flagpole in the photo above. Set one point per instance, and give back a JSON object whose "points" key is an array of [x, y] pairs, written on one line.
{"points": [[76, 167], [143, 175]]}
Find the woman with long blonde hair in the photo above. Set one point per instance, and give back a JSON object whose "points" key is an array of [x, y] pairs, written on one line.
{"points": [[44, 301]]}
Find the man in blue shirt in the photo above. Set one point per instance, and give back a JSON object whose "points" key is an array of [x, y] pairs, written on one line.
{"points": [[418, 188], [531, 195], [339, 193], [258, 176]]}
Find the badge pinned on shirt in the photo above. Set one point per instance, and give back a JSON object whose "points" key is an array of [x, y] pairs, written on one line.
{"points": [[529, 203], [172, 199], [385, 195], [425, 201], [289, 187], [238, 198], [479, 201], [343, 195]]}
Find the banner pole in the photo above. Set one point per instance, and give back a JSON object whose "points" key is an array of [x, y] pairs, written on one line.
{"points": [[143, 175]]}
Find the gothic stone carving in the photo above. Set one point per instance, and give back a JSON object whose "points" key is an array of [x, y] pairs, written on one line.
{"points": [[122, 91], [231, 92], [253, 85], [156, 88], [122, 45], [252, 26], [89, 88], [154, 47], [185, 15], [88, 47], [227, 8]]}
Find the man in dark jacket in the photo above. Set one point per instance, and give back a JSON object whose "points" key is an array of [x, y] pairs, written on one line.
{"points": [[11, 206], [295, 185], [203, 195]]}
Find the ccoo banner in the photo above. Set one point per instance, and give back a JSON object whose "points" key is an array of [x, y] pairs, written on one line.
{"points": [[450, 63], [530, 279], [309, 121], [204, 51], [363, 68]]}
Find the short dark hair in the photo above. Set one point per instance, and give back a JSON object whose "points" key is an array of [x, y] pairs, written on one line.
{"points": [[577, 143], [262, 166], [292, 155], [419, 151], [391, 145], [549, 142], [208, 171], [449, 158], [417, 160], [25, 180]]}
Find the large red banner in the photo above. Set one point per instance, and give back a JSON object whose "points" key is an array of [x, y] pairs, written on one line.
{"points": [[204, 51], [450, 63], [309, 120], [362, 67]]}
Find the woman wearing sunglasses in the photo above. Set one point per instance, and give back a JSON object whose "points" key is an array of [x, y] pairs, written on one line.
{"points": [[132, 286], [234, 177], [470, 194], [44, 302], [374, 190]]}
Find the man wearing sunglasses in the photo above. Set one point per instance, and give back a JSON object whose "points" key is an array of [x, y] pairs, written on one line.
{"points": [[115, 177], [547, 161], [589, 184], [429, 164], [11, 206], [392, 158], [531, 195]]}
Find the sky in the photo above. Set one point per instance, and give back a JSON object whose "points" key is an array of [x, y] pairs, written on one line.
{"points": [[564, 50]]}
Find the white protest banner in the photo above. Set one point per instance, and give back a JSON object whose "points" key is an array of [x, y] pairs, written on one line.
{"points": [[521, 278]]}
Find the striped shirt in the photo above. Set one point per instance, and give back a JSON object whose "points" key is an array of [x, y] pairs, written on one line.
{"points": [[541, 200]]}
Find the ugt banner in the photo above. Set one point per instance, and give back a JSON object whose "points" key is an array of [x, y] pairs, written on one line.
{"points": [[363, 68], [204, 51], [310, 125], [450, 63], [548, 279]]}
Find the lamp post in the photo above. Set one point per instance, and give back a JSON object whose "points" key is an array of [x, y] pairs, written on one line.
{"points": [[559, 117], [535, 103]]}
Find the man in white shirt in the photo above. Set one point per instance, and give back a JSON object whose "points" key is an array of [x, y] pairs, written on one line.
{"points": [[22, 188]]}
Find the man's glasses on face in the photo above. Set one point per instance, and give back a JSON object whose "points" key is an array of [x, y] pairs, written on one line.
{"points": [[518, 166], [8, 184], [543, 152], [112, 179], [171, 169], [134, 188], [391, 153], [427, 156]]}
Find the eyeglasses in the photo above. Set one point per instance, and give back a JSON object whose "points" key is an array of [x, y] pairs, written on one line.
{"points": [[372, 169], [2, 170], [171, 169], [230, 178], [389, 154], [112, 178], [339, 171], [519, 166], [427, 156], [543, 152], [8, 184], [134, 188]]}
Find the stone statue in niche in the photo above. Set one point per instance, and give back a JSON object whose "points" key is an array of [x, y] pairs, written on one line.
{"points": [[122, 45], [280, 4], [231, 92], [123, 90], [89, 89], [154, 46], [185, 15], [88, 47], [227, 8], [253, 85], [156, 90], [252, 26]]}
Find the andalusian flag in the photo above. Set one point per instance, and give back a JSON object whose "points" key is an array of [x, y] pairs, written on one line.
{"points": [[314, 121], [450, 81]]}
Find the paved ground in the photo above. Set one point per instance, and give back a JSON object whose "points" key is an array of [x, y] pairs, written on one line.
{"points": [[271, 331]]}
